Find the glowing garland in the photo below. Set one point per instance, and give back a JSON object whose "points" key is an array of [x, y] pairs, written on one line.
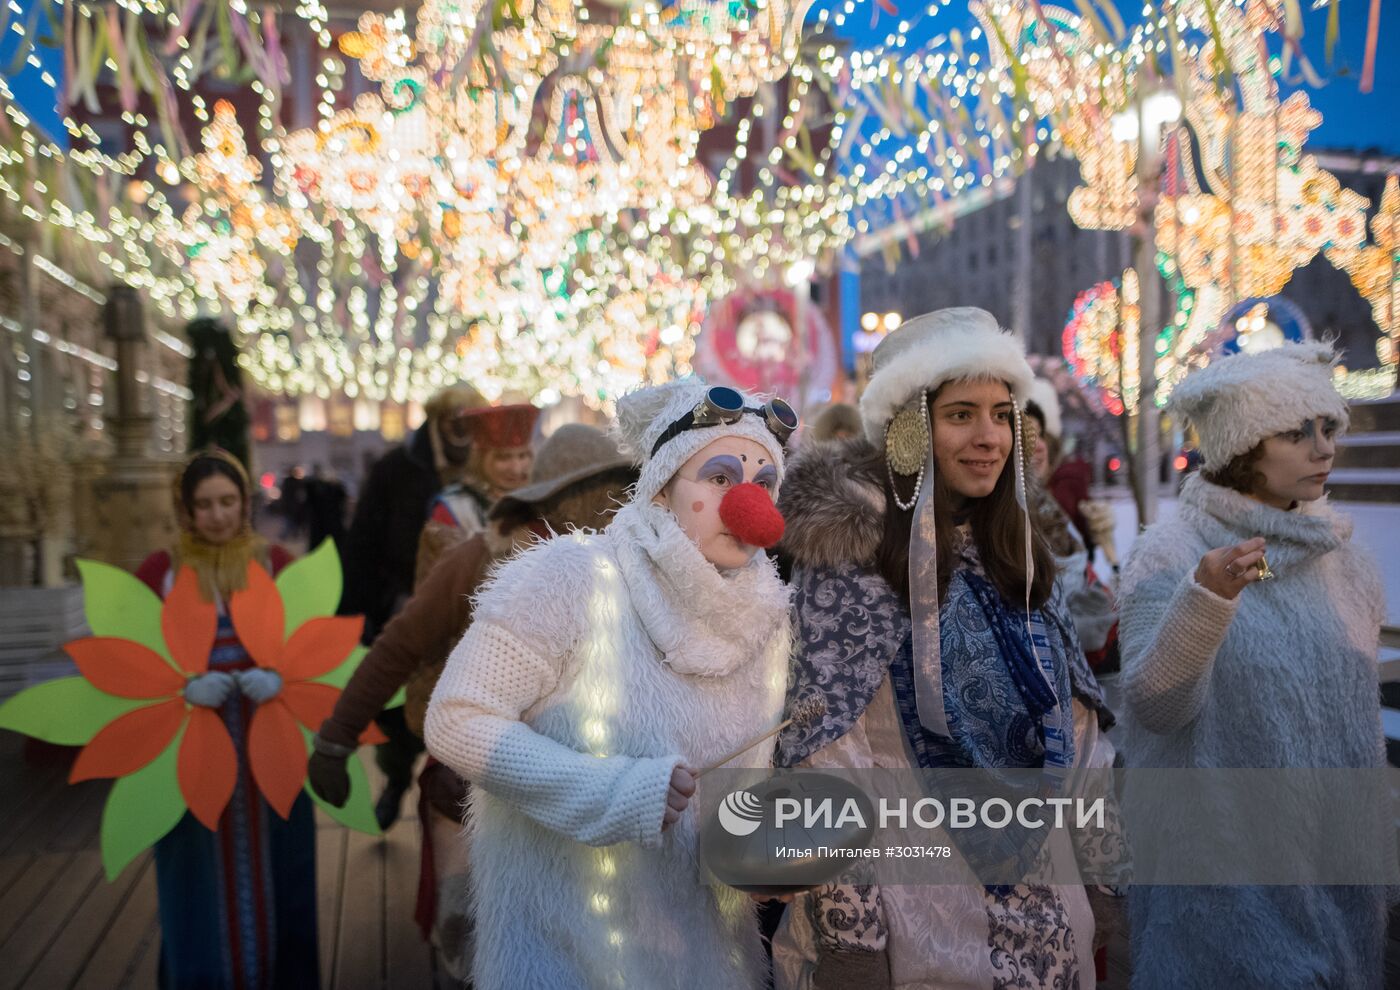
{"points": [[907, 127]]}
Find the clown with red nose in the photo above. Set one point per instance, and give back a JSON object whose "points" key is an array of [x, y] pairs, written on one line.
{"points": [[600, 671]]}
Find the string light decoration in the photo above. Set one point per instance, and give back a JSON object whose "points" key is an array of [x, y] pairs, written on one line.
{"points": [[519, 234], [1255, 210], [523, 182], [1375, 271], [220, 235], [1100, 342]]}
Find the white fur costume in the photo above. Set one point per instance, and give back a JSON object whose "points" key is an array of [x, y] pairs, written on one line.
{"points": [[594, 666]]}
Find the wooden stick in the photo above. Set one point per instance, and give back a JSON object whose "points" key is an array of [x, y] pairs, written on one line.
{"points": [[801, 715], [744, 748]]}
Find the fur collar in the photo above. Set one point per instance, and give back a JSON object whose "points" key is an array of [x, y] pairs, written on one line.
{"points": [[701, 620], [1224, 516], [833, 504]]}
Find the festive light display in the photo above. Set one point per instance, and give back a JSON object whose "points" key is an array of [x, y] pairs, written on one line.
{"points": [[1101, 342], [1254, 210], [520, 201], [769, 340], [513, 213]]}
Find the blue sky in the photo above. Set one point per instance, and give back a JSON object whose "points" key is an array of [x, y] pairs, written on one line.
{"points": [[1351, 119], [34, 96]]}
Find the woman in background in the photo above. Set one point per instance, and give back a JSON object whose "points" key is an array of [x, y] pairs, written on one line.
{"points": [[237, 906]]}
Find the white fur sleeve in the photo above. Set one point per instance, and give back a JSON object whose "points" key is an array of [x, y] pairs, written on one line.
{"points": [[1171, 629], [497, 673]]}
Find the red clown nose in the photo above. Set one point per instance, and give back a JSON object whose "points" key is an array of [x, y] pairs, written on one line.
{"points": [[748, 512]]}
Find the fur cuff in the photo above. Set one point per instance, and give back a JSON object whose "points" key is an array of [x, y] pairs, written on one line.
{"points": [[834, 504]]}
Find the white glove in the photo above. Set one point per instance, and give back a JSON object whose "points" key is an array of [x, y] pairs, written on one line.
{"points": [[209, 690], [259, 684]]}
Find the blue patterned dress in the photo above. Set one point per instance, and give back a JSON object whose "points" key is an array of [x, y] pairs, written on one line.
{"points": [[238, 906], [853, 633]]}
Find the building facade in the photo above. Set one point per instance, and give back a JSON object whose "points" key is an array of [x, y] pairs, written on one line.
{"points": [[971, 257]]}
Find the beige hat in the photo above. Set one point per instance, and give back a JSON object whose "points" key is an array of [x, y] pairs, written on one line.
{"points": [[645, 415], [1239, 400], [573, 453], [942, 346]]}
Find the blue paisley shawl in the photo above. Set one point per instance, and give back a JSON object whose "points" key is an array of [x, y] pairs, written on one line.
{"points": [[851, 628]]}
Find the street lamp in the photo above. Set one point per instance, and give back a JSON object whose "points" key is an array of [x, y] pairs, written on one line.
{"points": [[1146, 122]]}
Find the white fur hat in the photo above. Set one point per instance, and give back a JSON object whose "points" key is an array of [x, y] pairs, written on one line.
{"points": [[1237, 401], [938, 347], [644, 414], [1047, 400]]}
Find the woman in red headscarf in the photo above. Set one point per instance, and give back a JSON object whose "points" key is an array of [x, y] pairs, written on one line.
{"points": [[499, 463]]}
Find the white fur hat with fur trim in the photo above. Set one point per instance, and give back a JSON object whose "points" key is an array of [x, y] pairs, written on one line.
{"points": [[645, 414], [942, 346], [1047, 400], [1237, 401]]}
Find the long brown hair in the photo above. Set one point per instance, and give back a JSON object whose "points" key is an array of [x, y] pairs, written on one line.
{"points": [[997, 525]]}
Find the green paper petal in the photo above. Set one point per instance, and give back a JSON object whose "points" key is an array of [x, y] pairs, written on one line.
{"points": [[119, 604], [340, 676], [141, 809], [310, 587], [358, 812], [67, 711]]}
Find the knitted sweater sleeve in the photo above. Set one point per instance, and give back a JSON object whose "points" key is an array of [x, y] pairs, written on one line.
{"points": [[1171, 629], [512, 657]]}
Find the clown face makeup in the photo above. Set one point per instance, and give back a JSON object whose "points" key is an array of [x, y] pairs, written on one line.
{"points": [[740, 472]]}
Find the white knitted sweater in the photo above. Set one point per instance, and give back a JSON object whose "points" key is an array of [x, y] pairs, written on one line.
{"points": [[1283, 676], [594, 665]]}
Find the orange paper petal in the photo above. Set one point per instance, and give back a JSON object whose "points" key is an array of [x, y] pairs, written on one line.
{"points": [[124, 668], [373, 736], [189, 623], [128, 743], [320, 645], [277, 755], [258, 617], [207, 767], [311, 703]]}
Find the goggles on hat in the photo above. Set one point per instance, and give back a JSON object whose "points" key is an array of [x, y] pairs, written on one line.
{"points": [[724, 405]]}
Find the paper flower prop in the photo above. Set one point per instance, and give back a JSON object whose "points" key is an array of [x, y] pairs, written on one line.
{"points": [[276, 747], [207, 766], [128, 709]]}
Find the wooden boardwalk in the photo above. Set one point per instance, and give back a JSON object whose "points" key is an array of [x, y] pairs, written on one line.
{"points": [[62, 926]]}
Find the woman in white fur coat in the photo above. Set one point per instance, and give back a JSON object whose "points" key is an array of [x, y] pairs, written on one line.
{"points": [[1221, 670], [599, 672]]}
